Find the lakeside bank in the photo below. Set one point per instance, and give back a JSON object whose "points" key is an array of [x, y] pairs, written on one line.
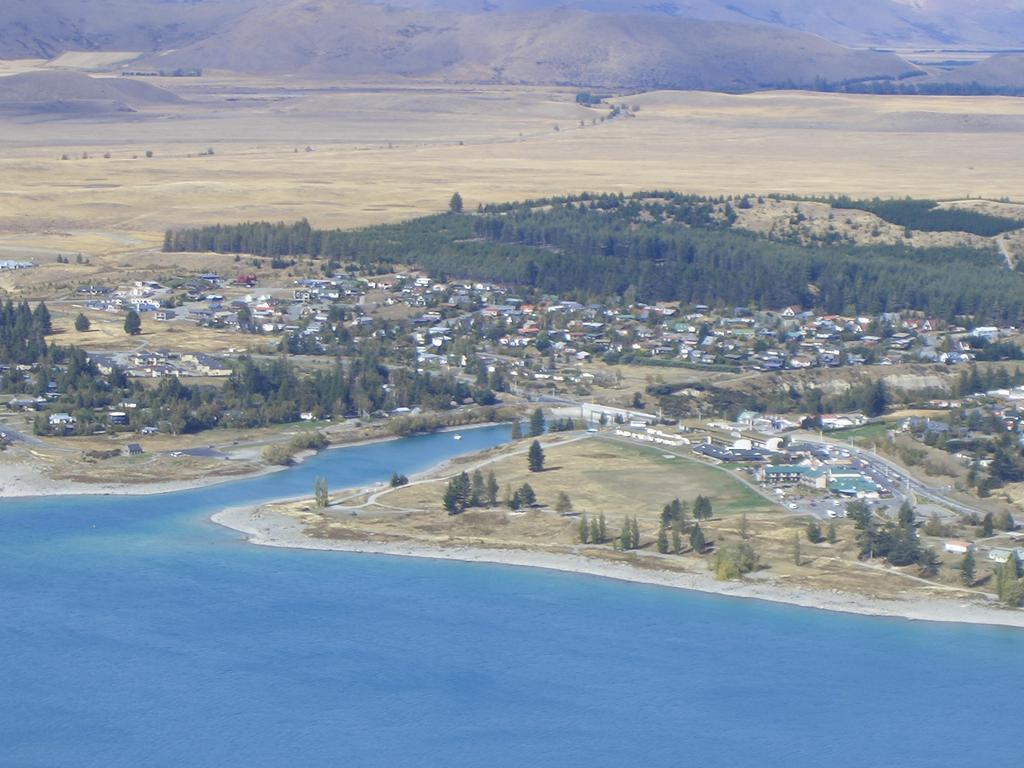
{"points": [[278, 530], [20, 478]]}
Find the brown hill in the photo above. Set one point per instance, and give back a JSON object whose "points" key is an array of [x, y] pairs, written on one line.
{"points": [[75, 92], [342, 38], [651, 52], [47, 28], [1005, 70], [890, 23]]}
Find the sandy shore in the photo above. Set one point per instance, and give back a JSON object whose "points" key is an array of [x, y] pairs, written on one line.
{"points": [[276, 530]]}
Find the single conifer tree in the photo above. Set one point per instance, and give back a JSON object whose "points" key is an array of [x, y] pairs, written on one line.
{"points": [[478, 491], [697, 539], [813, 532], [563, 505], [527, 495], [536, 457], [626, 537], [968, 569], [132, 323], [320, 490], [663, 539], [492, 489], [537, 423]]}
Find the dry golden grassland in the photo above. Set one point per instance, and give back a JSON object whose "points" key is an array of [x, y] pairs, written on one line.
{"points": [[386, 153], [107, 333], [609, 476]]}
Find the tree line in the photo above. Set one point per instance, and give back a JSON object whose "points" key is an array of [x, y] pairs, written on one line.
{"points": [[255, 394], [22, 333], [661, 247]]}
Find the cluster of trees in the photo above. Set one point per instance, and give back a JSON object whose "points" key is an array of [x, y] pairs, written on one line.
{"points": [[429, 422], [523, 496], [974, 380], [629, 537], [588, 99], [927, 216], [659, 247], [991, 351], [982, 433], [675, 528], [897, 541], [734, 560], [592, 531], [1006, 465], [673, 533], [1002, 520], [22, 333], [892, 87], [83, 389], [595, 252], [1008, 586], [255, 394], [464, 491], [562, 425], [283, 454], [671, 537], [870, 397], [374, 245], [815, 535]]}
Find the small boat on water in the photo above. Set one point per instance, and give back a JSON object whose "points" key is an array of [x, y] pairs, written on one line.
{"points": [[458, 437]]}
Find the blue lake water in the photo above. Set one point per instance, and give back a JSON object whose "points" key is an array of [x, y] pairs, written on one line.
{"points": [[133, 632]]}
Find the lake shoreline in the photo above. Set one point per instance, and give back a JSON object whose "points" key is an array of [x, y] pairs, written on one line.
{"points": [[278, 530], [21, 480]]}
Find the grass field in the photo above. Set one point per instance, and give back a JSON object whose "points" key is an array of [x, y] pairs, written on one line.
{"points": [[865, 435], [607, 476]]}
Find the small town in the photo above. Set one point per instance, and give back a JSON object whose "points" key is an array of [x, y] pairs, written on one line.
{"points": [[462, 383]]}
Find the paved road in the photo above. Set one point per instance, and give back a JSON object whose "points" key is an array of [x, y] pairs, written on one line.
{"points": [[16, 436], [897, 477]]}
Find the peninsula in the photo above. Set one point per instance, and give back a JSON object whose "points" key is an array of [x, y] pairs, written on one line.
{"points": [[594, 509]]}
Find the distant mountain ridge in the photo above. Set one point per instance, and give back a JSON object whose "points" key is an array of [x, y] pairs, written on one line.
{"points": [[731, 45], [884, 23], [562, 46]]}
